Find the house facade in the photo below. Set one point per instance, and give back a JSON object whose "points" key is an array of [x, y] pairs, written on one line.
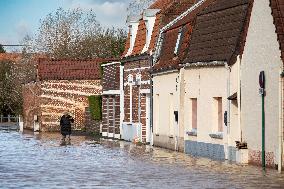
{"points": [[62, 85], [111, 99], [207, 81], [136, 62]]}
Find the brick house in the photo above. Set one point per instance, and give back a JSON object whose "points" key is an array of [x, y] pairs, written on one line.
{"points": [[61, 85], [111, 99], [136, 62]]}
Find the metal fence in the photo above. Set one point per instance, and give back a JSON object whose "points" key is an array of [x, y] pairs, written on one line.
{"points": [[9, 119]]}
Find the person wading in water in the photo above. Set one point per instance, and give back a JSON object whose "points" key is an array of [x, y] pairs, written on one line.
{"points": [[65, 126]]}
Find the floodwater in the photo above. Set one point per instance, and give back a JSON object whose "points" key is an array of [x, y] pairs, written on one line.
{"points": [[38, 161]]}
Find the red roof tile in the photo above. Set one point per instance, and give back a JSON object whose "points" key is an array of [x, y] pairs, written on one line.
{"points": [[10, 56], [170, 9], [140, 40], [168, 60], [70, 69]]}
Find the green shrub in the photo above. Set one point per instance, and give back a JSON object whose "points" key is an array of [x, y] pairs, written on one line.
{"points": [[96, 107]]}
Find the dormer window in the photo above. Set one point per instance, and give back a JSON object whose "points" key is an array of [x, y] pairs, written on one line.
{"points": [[178, 42], [149, 24]]}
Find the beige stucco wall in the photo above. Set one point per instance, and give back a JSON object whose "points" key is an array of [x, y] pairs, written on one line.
{"points": [[205, 83], [165, 102], [261, 54], [234, 133], [165, 85]]}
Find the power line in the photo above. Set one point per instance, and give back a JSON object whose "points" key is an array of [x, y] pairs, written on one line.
{"points": [[14, 45]]}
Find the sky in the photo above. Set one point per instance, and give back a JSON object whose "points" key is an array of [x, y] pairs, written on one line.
{"points": [[21, 17]]}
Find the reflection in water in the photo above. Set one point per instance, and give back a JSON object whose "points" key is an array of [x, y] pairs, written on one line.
{"points": [[39, 161]]}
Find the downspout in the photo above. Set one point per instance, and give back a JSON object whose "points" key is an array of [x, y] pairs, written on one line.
{"points": [[228, 108], [239, 100], [121, 97], [280, 125], [151, 103]]}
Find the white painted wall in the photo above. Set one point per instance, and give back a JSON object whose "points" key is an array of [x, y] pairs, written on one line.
{"points": [[163, 86], [261, 54], [204, 83], [133, 32]]}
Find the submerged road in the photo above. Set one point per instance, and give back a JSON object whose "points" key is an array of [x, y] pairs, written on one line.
{"points": [[38, 161]]}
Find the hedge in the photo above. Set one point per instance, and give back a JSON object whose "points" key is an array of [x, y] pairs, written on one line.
{"points": [[95, 103]]}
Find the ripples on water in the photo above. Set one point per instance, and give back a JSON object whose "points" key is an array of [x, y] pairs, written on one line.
{"points": [[38, 161]]}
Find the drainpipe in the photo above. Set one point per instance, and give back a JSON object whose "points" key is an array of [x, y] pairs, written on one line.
{"points": [[151, 103], [228, 108], [280, 125], [121, 98]]}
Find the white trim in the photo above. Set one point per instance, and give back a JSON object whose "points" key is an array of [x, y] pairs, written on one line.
{"points": [[117, 136], [159, 43], [111, 63], [111, 92], [110, 135], [130, 103], [146, 91], [205, 64], [165, 72], [74, 92], [138, 69], [150, 23], [121, 98], [142, 83], [133, 32], [104, 134]]}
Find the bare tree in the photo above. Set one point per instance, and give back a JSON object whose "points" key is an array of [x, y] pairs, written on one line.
{"points": [[75, 34]]}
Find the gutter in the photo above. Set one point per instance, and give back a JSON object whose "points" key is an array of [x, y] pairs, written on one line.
{"points": [[205, 64]]}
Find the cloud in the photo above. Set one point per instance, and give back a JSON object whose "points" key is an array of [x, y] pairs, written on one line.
{"points": [[109, 13]]}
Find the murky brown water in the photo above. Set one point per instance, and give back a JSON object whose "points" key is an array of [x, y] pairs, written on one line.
{"points": [[38, 161]]}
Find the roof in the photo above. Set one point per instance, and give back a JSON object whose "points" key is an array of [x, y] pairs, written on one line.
{"points": [[69, 69], [170, 9], [10, 56], [277, 7], [216, 31], [219, 31], [168, 60]]}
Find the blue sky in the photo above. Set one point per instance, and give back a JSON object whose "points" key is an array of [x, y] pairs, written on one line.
{"points": [[21, 17]]}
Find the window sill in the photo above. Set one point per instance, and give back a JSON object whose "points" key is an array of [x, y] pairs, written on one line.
{"points": [[218, 135], [193, 132]]}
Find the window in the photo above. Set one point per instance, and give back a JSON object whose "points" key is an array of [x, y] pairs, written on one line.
{"points": [[171, 114], [218, 114], [194, 113], [157, 113], [178, 41], [159, 48]]}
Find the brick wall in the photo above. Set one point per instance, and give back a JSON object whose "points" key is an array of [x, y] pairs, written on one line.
{"points": [[111, 77], [111, 114], [111, 103], [134, 68], [56, 97]]}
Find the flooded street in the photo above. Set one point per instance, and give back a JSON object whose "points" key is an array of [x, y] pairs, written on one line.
{"points": [[38, 161]]}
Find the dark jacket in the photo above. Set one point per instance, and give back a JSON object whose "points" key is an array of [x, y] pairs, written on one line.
{"points": [[65, 124]]}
